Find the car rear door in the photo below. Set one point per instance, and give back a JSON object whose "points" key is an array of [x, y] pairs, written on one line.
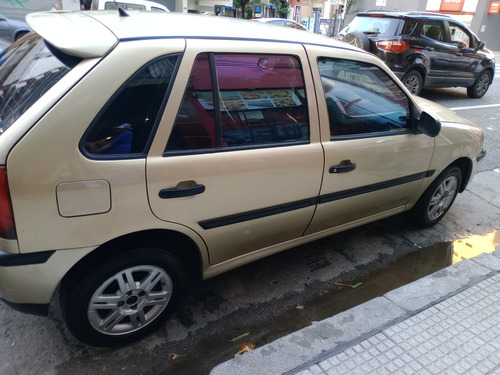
{"points": [[374, 163], [237, 157]]}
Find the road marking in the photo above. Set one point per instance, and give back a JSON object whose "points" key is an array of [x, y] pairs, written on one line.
{"points": [[475, 107]]}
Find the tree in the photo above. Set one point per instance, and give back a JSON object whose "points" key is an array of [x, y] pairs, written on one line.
{"points": [[281, 8], [247, 11], [242, 4], [347, 10]]}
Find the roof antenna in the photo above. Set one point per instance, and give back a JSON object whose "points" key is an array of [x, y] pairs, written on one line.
{"points": [[121, 11]]}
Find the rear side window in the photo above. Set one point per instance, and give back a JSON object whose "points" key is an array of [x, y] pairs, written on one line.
{"points": [[125, 125], [362, 100], [27, 71], [409, 26], [241, 100], [434, 29]]}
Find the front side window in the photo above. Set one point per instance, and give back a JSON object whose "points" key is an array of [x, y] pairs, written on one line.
{"points": [[362, 100], [241, 100], [125, 125], [27, 70], [460, 36]]}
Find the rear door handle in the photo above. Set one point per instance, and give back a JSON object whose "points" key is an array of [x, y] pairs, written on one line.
{"points": [[183, 189], [343, 167]]}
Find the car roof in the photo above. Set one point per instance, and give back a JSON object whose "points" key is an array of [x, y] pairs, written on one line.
{"points": [[412, 14], [94, 33]]}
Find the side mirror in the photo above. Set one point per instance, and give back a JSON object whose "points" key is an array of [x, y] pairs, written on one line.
{"points": [[480, 45], [429, 125]]}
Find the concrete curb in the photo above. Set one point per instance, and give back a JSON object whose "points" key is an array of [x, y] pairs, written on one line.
{"points": [[299, 350]]}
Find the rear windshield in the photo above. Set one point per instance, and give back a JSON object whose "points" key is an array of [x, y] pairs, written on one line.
{"points": [[375, 25], [27, 70]]}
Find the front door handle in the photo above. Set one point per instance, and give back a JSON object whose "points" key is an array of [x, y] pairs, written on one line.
{"points": [[343, 167], [183, 189]]}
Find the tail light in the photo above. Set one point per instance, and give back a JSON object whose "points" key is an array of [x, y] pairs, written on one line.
{"points": [[7, 229], [397, 46]]}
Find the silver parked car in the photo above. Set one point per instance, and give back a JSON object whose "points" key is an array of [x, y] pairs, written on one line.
{"points": [[12, 30]]}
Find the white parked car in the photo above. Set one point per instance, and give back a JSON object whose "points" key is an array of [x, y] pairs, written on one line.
{"points": [[140, 153], [128, 5]]}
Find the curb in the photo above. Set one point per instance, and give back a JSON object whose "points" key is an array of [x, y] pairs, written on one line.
{"points": [[302, 349]]}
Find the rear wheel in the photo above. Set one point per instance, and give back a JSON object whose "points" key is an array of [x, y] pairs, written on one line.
{"points": [[437, 199], [413, 82], [480, 86], [124, 297]]}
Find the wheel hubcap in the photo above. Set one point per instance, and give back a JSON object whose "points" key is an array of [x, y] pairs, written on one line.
{"points": [[482, 84], [130, 300], [412, 84], [442, 198]]}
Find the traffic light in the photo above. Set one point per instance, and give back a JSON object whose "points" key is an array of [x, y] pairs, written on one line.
{"points": [[341, 8]]}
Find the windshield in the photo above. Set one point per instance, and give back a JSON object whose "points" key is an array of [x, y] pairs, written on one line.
{"points": [[27, 70], [375, 25]]}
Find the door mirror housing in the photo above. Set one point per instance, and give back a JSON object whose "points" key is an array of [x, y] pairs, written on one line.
{"points": [[429, 125], [480, 45]]}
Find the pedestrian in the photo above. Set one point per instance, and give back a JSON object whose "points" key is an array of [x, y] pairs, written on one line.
{"points": [[55, 7]]}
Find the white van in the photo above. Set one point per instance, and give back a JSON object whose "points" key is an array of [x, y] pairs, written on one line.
{"points": [[128, 5]]}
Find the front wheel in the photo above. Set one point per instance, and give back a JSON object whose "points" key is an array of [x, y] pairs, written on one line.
{"points": [[413, 82], [124, 297], [480, 86], [437, 199]]}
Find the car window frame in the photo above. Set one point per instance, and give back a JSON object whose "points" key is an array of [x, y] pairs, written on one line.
{"points": [[444, 24], [218, 113], [409, 129], [111, 100], [467, 31]]}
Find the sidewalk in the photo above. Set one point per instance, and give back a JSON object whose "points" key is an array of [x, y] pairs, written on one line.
{"points": [[445, 323]]}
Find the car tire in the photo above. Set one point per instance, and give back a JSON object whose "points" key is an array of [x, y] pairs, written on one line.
{"points": [[358, 39], [437, 199], [480, 86], [413, 82], [124, 297]]}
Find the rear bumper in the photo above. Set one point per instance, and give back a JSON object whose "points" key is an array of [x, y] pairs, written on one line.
{"points": [[28, 281]]}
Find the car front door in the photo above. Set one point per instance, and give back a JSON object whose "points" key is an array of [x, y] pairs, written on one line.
{"points": [[464, 61], [374, 163], [238, 157]]}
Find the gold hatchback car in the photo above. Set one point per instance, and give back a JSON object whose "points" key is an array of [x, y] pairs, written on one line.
{"points": [[139, 151]]}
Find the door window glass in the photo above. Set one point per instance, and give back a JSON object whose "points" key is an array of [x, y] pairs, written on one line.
{"points": [[434, 30], [241, 100], [362, 99], [28, 70], [459, 36], [126, 123]]}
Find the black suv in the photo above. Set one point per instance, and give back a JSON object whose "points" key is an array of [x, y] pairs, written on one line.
{"points": [[424, 49]]}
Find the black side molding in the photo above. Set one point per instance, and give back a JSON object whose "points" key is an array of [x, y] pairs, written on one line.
{"points": [[12, 260], [481, 155]]}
